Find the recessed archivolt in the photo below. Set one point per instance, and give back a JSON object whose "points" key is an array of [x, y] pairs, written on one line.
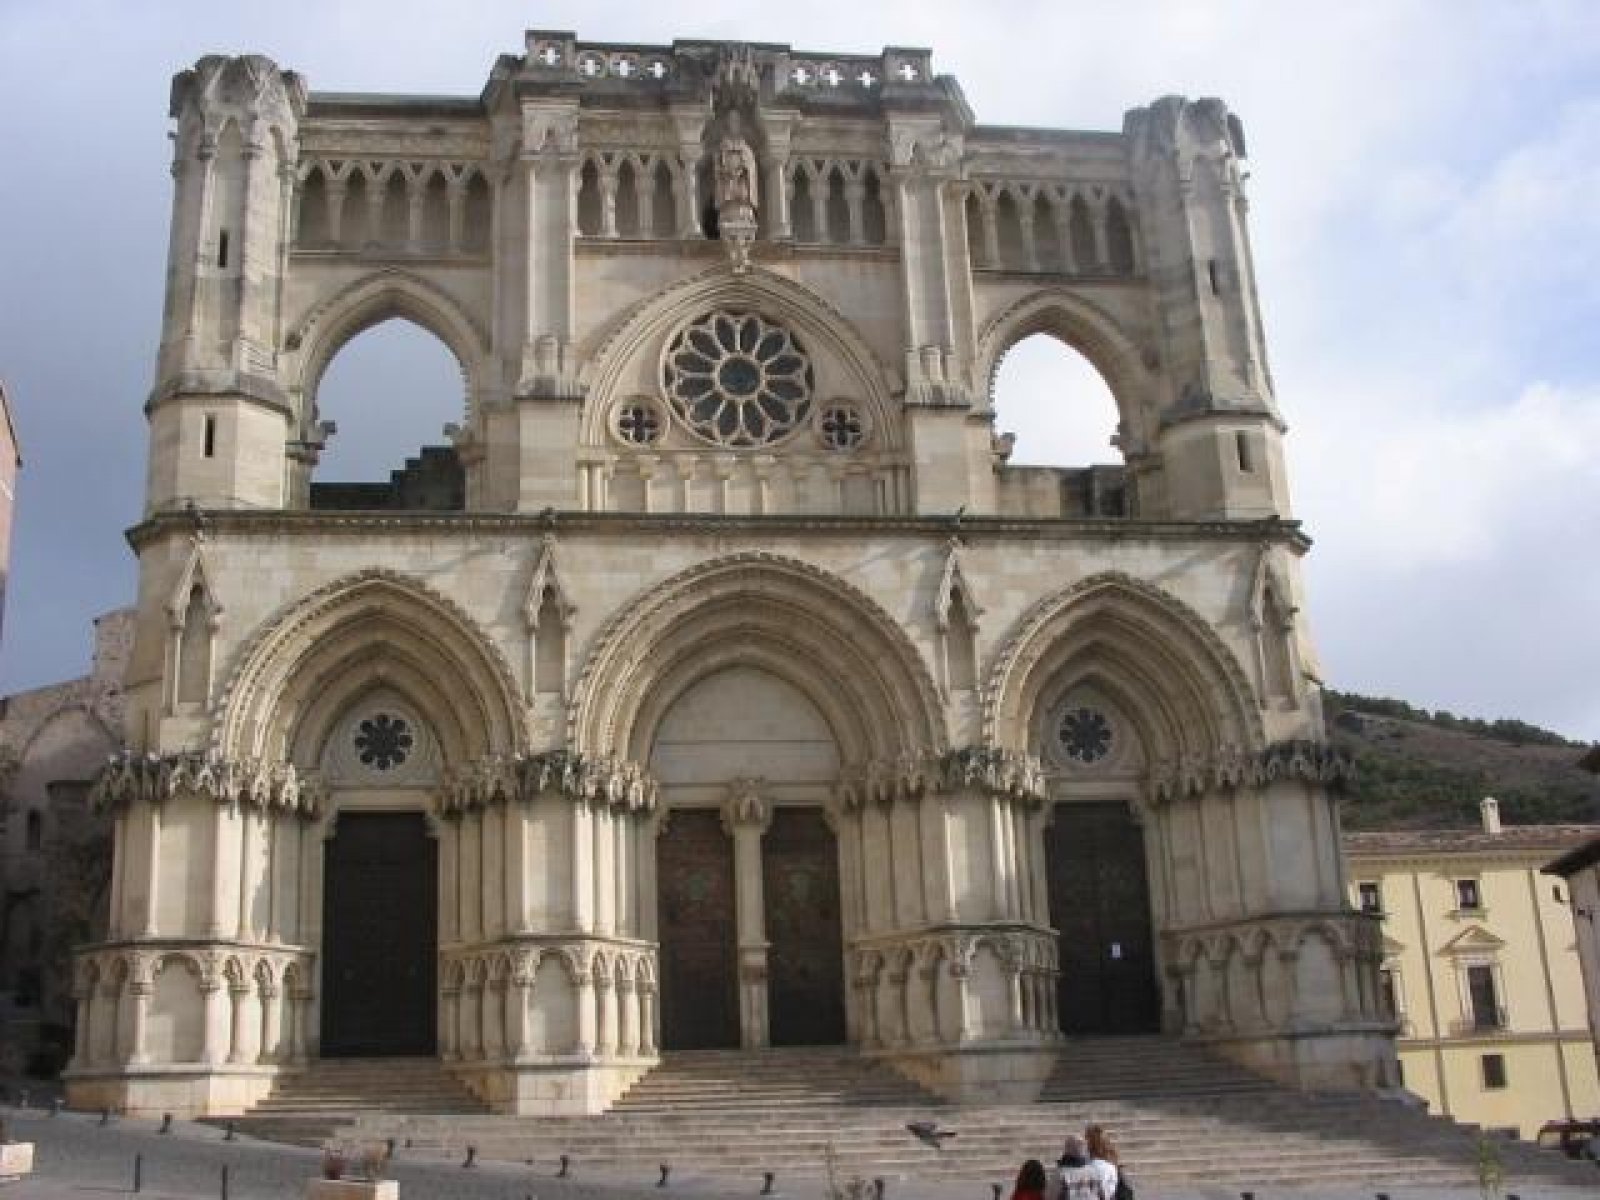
{"points": [[370, 301], [610, 351], [375, 628], [803, 624], [1181, 684], [1088, 329]]}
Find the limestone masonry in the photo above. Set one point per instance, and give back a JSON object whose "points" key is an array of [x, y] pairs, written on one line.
{"points": [[720, 682]]}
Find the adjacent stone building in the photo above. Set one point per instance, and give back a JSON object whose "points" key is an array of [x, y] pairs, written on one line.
{"points": [[719, 683], [54, 851]]}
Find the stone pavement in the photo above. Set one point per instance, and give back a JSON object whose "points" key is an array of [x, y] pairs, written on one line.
{"points": [[79, 1159]]}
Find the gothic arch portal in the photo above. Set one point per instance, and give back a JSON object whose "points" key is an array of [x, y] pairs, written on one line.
{"points": [[306, 667], [1159, 657], [802, 624]]}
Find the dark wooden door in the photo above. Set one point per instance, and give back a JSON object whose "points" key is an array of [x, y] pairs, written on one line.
{"points": [[699, 956], [805, 955], [379, 936], [1100, 903]]}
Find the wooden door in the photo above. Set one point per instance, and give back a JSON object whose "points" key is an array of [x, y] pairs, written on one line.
{"points": [[699, 957], [379, 936], [1100, 904], [805, 955]]}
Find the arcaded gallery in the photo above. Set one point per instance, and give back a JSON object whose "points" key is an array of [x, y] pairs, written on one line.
{"points": [[718, 679]]}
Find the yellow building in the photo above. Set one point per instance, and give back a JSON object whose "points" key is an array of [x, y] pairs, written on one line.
{"points": [[1481, 969]]}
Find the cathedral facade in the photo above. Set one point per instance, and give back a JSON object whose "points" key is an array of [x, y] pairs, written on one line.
{"points": [[721, 683]]}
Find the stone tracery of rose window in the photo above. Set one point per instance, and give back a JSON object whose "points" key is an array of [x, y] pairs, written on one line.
{"points": [[738, 379]]}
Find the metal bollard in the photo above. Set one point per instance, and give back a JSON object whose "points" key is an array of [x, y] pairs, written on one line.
{"points": [[388, 1144], [22, 1102], [472, 1157], [166, 1123], [105, 1116], [767, 1179], [665, 1171], [228, 1132], [55, 1107], [224, 1183], [138, 1172], [879, 1187], [565, 1164], [997, 1188]]}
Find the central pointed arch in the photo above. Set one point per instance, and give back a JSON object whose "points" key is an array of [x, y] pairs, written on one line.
{"points": [[375, 628], [795, 621]]}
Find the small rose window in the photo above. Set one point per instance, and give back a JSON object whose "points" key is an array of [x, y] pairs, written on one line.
{"points": [[738, 379], [842, 427], [638, 423], [1085, 735], [383, 741]]}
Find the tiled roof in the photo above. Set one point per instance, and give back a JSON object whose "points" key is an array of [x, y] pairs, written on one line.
{"points": [[1552, 839]]}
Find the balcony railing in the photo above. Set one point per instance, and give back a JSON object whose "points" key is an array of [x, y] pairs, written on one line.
{"points": [[1483, 1022]]}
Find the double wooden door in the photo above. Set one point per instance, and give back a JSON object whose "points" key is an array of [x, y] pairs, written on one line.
{"points": [[1100, 903]]}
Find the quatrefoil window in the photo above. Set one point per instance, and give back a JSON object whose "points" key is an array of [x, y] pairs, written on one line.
{"points": [[383, 741], [842, 427], [1085, 735], [738, 379], [638, 423]]}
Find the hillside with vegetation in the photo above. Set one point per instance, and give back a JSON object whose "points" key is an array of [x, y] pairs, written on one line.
{"points": [[1417, 769]]}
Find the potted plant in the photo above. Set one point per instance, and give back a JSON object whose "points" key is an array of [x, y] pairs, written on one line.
{"points": [[360, 1179]]}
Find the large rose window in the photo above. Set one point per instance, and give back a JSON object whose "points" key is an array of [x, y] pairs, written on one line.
{"points": [[737, 379]]}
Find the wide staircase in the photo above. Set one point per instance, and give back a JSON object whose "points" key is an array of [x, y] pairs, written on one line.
{"points": [[309, 1107], [1180, 1116]]}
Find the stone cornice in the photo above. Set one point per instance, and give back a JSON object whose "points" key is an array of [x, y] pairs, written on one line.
{"points": [[507, 779], [971, 529], [988, 769], [1231, 768], [158, 778]]}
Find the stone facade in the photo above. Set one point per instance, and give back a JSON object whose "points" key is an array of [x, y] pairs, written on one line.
{"points": [[742, 693]]}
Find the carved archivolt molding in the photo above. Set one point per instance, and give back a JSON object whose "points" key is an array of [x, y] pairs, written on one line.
{"points": [[1231, 768], [158, 778], [988, 769], [288, 641], [798, 612], [1204, 678], [520, 778]]}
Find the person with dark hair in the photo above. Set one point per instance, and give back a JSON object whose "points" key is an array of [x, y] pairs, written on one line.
{"points": [[1103, 1157], [1031, 1181], [1075, 1178]]}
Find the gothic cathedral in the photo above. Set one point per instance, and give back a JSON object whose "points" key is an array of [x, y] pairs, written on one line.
{"points": [[720, 682]]}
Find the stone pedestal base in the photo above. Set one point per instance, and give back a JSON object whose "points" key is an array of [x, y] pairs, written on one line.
{"points": [[352, 1189], [994, 1074], [16, 1160], [555, 1088], [1347, 1058], [185, 1091]]}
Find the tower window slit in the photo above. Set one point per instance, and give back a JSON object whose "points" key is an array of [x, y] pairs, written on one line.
{"points": [[208, 438], [222, 248], [1211, 275], [1242, 452]]}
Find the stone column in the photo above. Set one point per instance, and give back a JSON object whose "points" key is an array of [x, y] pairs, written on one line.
{"points": [[584, 985], [519, 995], [449, 1024], [138, 1019], [647, 1018], [215, 1019], [272, 997], [627, 1018], [605, 1042], [238, 993], [746, 815]]}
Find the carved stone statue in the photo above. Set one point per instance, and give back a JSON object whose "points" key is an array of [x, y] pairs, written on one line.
{"points": [[736, 170]]}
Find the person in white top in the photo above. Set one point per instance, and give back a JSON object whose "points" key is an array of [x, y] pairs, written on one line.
{"points": [[1074, 1178], [1103, 1157]]}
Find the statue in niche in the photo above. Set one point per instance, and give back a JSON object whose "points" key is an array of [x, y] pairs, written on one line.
{"points": [[737, 189]]}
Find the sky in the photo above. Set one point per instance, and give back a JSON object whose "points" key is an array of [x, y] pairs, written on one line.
{"points": [[1423, 189]]}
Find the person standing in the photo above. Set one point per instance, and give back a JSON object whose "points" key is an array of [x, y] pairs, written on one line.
{"points": [[1075, 1178], [1103, 1157], [1032, 1182]]}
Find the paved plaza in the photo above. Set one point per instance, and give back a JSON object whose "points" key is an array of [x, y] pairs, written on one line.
{"points": [[78, 1157]]}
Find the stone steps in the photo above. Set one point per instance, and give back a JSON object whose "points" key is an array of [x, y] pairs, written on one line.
{"points": [[1179, 1115]]}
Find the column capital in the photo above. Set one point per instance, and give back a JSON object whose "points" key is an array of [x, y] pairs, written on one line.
{"points": [[745, 806]]}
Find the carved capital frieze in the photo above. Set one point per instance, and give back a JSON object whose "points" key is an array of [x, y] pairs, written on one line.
{"points": [[503, 779], [1232, 768], [159, 778]]}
